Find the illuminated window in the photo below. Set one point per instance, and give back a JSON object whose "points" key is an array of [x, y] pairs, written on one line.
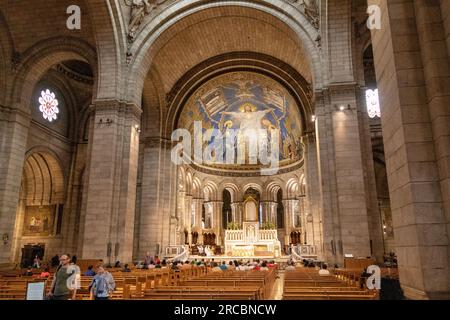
{"points": [[373, 103], [48, 105]]}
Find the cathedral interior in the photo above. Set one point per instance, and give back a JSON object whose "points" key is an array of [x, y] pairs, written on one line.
{"points": [[93, 93]]}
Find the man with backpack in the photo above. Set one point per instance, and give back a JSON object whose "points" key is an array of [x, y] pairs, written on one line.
{"points": [[102, 285]]}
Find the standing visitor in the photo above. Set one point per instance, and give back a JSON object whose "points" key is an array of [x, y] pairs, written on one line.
{"points": [[103, 285], [59, 289]]}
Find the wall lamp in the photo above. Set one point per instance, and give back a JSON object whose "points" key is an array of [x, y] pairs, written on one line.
{"points": [[137, 128], [342, 107]]}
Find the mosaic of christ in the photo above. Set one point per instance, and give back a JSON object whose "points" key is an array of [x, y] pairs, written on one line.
{"points": [[247, 101]]}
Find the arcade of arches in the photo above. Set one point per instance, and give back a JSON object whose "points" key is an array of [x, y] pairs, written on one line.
{"points": [[87, 116]]}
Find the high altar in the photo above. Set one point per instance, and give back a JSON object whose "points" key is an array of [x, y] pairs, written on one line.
{"points": [[251, 241]]}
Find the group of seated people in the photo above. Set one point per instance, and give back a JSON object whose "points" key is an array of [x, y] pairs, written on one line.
{"points": [[232, 265], [240, 265], [321, 267]]}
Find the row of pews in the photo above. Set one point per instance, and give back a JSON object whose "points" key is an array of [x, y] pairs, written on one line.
{"points": [[307, 284], [228, 285], [193, 283], [13, 286]]}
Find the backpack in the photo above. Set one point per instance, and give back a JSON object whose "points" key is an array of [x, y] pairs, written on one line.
{"points": [[101, 288]]}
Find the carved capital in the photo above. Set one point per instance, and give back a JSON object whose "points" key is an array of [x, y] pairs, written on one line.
{"points": [[116, 105]]}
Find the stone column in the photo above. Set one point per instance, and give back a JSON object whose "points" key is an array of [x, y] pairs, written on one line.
{"points": [[412, 76], [312, 214], [268, 212], [111, 182], [188, 216], [373, 211], [273, 206], [181, 213], [342, 171], [198, 207], [236, 212], [159, 192], [433, 26], [288, 219], [217, 220], [14, 125]]}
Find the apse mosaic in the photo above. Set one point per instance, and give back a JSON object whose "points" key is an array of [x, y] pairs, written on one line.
{"points": [[246, 100]]}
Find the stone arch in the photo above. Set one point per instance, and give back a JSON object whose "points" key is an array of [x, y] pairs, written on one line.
{"points": [[233, 189], [43, 179], [38, 59], [252, 185], [189, 182], [210, 191], [271, 190], [197, 188], [108, 27], [292, 188], [151, 39]]}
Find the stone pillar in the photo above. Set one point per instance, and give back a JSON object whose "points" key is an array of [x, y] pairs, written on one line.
{"points": [[312, 214], [288, 219], [217, 221], [412, 76], [342, 171], [433, 29], [198, 207], [181, 214], [111, 182], [373, 210], [158, 195], [188, 217], [273, 212], [269, 212], [236, 212], [14, 126]]}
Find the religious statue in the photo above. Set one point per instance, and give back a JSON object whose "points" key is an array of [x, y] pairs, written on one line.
{"points": [[139, 9], [310, 9], [312, 12]]}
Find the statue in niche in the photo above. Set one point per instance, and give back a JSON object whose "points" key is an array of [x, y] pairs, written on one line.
{"points": [[139, 10]]}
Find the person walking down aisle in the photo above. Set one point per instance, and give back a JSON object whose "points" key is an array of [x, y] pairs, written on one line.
{"points": [[103, 285]]}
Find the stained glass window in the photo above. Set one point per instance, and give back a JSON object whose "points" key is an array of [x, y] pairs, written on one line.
{"points": [[48, 105], [373, 103]]}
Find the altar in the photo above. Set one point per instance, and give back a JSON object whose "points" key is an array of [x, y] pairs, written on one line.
{"points": [[251, 241]]}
